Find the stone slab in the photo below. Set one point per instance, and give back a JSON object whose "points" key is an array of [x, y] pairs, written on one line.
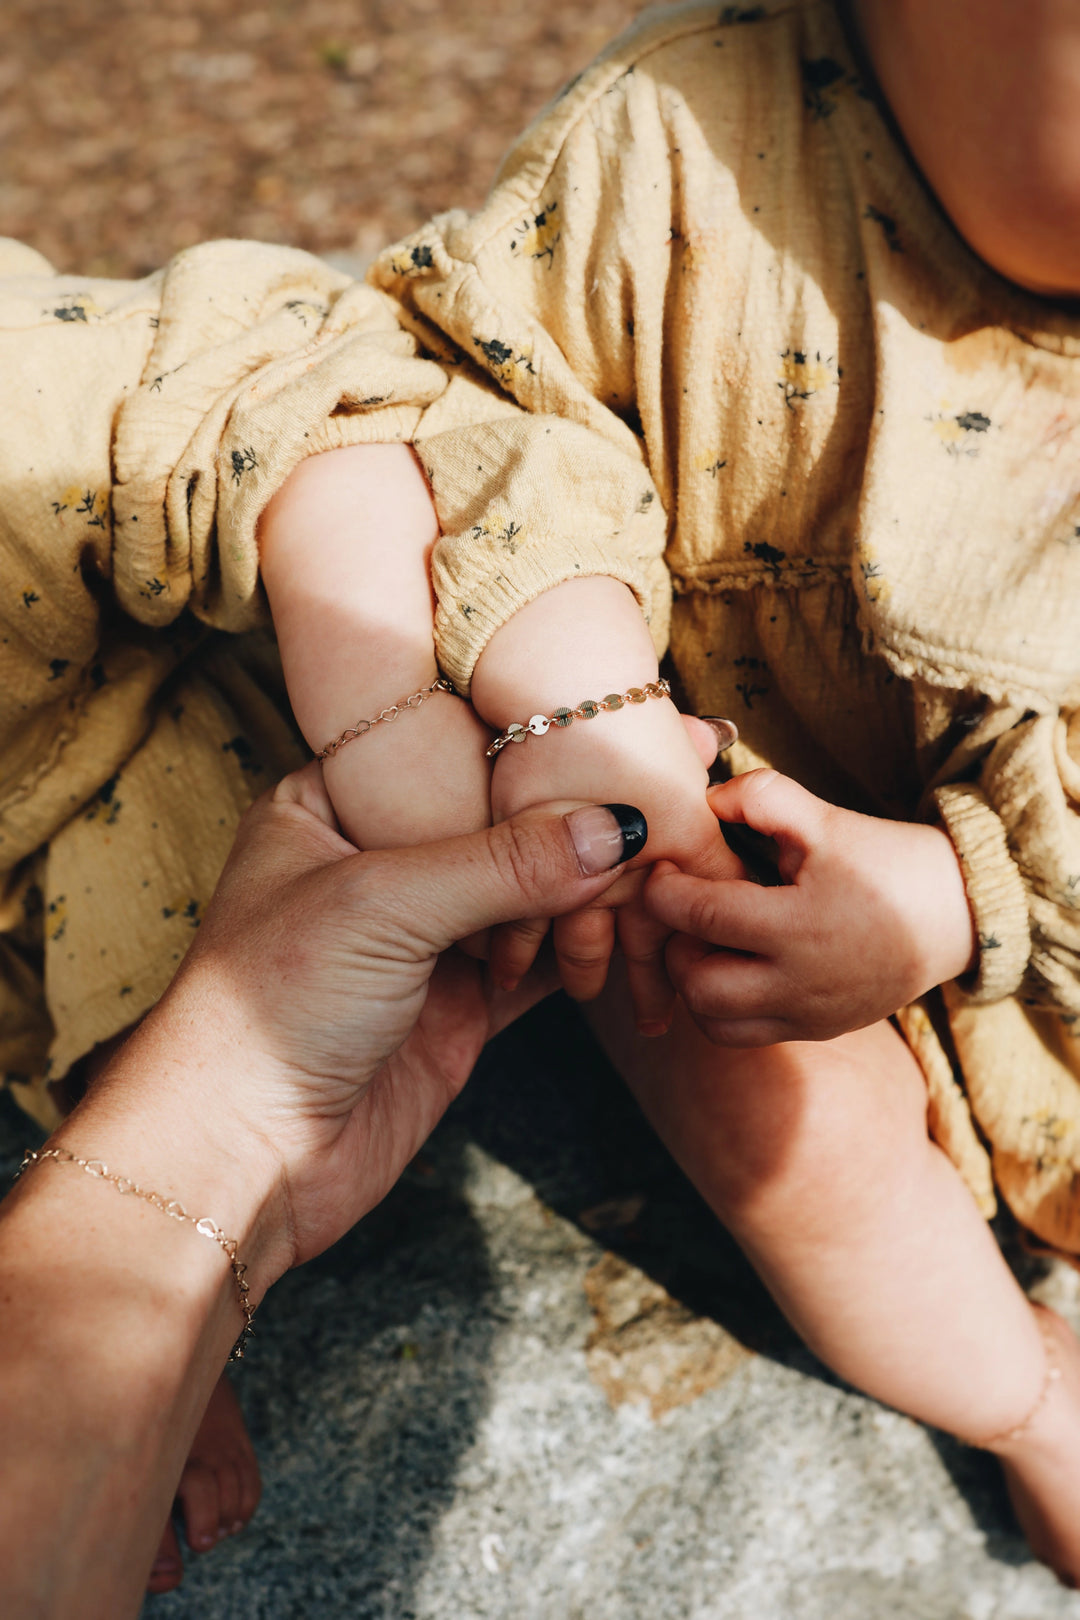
{"points": [[540, 1383]]}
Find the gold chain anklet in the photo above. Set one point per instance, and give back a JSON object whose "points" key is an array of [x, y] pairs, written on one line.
{"points": [[1051, 1376], [203, 1224], [516, 732], [362, 727]]}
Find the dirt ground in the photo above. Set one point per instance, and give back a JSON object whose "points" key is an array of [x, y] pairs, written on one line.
{"points": [[129, 131]]}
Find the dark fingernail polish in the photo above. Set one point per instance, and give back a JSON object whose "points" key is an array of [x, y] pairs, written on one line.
{"points": [[605, 834], [633, 826], [727, 732]]}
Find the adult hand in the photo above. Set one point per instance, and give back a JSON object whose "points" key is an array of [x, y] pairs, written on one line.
{"points": [[660, 758], [309, 1042], [318, 969], [871, 914]]}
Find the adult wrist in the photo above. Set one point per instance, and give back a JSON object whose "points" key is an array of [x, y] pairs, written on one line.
{"points": [[166, 1113]]}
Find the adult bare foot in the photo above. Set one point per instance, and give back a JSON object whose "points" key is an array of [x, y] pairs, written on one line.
{"points": [[219, 1489], [1042, 1464]]}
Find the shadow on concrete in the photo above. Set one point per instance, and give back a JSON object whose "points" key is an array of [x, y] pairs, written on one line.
{"points": [[545, 1101], [364, 1388]]}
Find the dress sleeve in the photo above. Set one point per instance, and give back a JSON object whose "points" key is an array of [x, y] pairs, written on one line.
{"points": [[548, 309], [144, 425], [1017, 833]]}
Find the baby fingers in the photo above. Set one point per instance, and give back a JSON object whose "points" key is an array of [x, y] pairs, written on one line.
{"points": [[583, 944], [735, 1000], [642, 940], [734, 913], [514, 948]]}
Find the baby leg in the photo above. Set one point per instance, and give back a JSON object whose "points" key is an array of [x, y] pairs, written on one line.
{"points": [[816, 1157], [345, 550]]}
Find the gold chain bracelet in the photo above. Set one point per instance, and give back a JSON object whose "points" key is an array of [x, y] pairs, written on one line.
{"points": [[385, 715], [517, 732], [203, 1224]]}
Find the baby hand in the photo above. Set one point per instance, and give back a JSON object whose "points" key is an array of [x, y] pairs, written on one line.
{"points": [[649, 756], [871, 914]]}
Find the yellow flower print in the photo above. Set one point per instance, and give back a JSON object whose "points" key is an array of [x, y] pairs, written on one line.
{"points": [[875, 585], [501, 360], [959, 431], [92, 505], [802, 374], [537, 236], [1046, 1132], [186, 907], [74, 307]]}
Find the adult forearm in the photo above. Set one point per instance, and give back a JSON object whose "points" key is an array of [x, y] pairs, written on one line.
{"points": [[116, 1322]]}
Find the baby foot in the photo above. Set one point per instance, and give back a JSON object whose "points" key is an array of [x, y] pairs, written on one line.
{"points": [[1042, 1463], [219, 1489]]}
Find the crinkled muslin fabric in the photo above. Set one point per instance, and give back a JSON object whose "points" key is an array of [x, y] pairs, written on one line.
{"points": [[710, 335]]}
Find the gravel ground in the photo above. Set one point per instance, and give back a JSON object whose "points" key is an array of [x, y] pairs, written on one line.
{"points": [[540, 1383], [130, 131]]}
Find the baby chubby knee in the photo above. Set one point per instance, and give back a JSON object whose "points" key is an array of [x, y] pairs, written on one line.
{"points": [[796, 1132]]}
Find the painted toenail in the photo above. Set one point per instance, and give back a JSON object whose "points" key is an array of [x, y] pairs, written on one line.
{"points": [[235, 1529], [205, 1540], [165, 1566]]}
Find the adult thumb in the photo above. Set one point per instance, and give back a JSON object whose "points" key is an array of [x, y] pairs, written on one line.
{"points": [[543, 862]]}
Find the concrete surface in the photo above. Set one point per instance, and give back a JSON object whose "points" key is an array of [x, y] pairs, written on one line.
{"points": [[541, 1383]]}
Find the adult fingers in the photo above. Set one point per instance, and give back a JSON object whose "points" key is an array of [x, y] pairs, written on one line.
{"points": [[642, 940], [774, 805], [583, 945], [703, 738], [734, 913], [514, 949], [539, 863]]}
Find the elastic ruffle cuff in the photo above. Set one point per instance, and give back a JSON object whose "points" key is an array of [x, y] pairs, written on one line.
{"points": [[995, 891]]}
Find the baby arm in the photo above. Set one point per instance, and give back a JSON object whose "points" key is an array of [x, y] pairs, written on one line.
{"points": [[584, 639], [870, 914], [345, 550]]}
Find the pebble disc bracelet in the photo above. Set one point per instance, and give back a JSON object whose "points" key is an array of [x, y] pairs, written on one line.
{"points": [[517, 732]]}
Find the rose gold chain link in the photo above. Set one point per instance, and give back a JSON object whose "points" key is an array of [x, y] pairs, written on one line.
{"points": [[362, 727], [203, 1224]]}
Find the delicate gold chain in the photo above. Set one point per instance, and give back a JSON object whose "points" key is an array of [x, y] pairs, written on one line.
{"points": [[1051, 1376], [517, 732], [363, 726], [203, 1224]]}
